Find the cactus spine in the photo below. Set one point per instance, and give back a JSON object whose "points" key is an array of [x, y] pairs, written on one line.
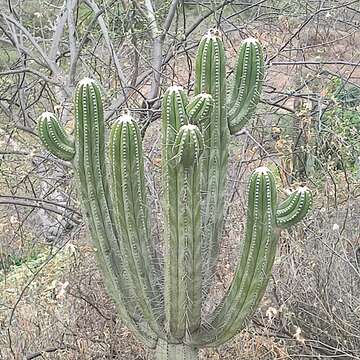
{"points": [[195, 138]]}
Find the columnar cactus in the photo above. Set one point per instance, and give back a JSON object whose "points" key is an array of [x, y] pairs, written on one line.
{"points": [[166, 315]]}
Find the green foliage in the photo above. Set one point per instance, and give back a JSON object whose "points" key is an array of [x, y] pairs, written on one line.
{"points": [[167, 315], [339, 129]]}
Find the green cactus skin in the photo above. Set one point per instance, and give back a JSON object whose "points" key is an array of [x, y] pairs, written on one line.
{"points": [[182, 145], [255, 265], [173, 117], [189, 145], [294, 208], [54, 138], [167, 351], [247, 84], [131, 214], [199, 108], [210, 78], [195, 140]]}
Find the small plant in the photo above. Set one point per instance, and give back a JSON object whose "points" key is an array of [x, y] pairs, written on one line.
{"points": [[339, 129], [195, 140]]}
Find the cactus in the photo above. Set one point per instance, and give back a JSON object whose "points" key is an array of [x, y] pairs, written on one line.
{"points": [[165, 312], [247, 84]]}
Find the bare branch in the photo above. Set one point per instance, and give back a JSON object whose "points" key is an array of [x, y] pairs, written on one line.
{"points": [[50, 64], [59, 209]]}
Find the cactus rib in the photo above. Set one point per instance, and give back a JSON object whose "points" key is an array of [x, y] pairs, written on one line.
{"points": [[255, 264]]}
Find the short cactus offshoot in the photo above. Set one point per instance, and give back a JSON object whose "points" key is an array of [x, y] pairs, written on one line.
{"points": [[195, 140]]}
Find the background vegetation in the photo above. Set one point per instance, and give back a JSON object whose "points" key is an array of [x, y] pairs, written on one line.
{"points": [[307, 128]]}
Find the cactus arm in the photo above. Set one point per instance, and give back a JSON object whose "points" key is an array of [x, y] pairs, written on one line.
{"points": [[254, 267], [294, 208], [247, 84], [129, 199], [54, 138], [210, 78], [173, 117], [189, 145], [89, 164]]}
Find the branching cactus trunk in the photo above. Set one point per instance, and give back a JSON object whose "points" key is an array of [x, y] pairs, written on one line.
{"points": [[195, 137]]}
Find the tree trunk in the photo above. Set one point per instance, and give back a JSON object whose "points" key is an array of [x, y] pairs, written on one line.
{"points": [[167, 351]]}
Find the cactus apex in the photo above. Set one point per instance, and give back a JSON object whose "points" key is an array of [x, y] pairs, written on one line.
{"points": [[205, 96], [47, 114], [250, 40], [213, 33], [175, 88], [189, 145], [125, 118], [86, 81], [262, 170], [302, 189]]}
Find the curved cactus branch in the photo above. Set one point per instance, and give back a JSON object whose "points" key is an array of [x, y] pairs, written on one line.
{"points": [[247, 84], [294, 208], [253, 270], [54, 137]]}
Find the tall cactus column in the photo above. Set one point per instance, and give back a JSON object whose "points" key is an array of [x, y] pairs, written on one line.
{"points": [[182, 145], [131, 212], [211, 79], [227, 116]]}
